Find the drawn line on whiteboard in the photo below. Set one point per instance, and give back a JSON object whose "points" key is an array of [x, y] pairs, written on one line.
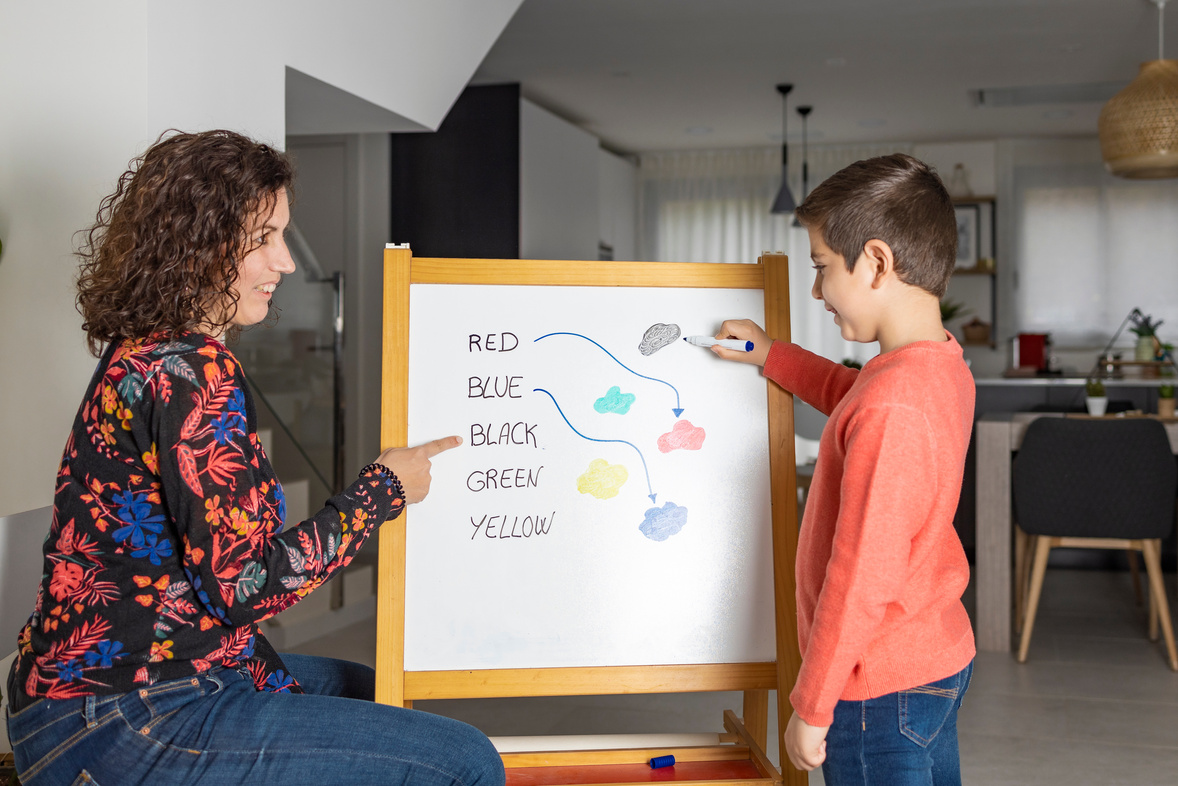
{"points": [[651, 493], [678, 410]]}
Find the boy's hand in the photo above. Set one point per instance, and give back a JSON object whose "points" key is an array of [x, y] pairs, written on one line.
{"points": [[746, 330], [805, 744]]}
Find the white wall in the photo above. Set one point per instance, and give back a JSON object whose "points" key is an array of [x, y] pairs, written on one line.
{"points": [[558, 187], [20, 536], [618, 201], [573, 193], [226, 62], [85, 87], [978, 158], [74, 113]]}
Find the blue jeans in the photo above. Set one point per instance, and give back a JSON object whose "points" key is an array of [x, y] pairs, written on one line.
{"points": [[217, 729], [901, 739]]}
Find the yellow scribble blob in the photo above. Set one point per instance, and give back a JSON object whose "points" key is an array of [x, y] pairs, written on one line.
{"points": [[603, 480]]}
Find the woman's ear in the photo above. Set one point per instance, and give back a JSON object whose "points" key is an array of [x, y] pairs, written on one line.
{"points": [[878, 256]]}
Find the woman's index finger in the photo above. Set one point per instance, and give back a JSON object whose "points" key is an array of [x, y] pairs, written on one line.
{"points": [[439, 445]]}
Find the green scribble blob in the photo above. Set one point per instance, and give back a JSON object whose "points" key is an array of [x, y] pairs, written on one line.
{"points": [[615, 401]]}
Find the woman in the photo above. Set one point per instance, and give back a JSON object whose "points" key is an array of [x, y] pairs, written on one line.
{"points": [[143, 660]]}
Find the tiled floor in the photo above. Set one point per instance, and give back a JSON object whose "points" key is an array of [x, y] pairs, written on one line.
{"points": [[1094, 704]]}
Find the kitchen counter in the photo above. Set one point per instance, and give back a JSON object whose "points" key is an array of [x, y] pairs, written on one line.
{"points": [[1053, 380]]}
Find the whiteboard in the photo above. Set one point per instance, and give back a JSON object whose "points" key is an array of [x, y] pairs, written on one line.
{"points": [[584, 521]]}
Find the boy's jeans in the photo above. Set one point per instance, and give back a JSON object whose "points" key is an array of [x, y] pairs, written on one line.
{"points": [[217, 729], [901, 739]]}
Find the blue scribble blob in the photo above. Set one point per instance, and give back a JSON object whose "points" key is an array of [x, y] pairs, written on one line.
{"points": [[662, 523], [615, 401]]}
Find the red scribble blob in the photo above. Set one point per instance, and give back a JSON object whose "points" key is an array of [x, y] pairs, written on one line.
{"points": [[683, 436]]}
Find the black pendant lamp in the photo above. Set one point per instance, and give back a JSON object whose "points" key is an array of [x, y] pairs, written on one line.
{"points": [[784, 203], [804, 111]]}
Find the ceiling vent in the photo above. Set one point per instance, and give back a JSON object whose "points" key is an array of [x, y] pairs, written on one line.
{"points": [[1039, 95]]}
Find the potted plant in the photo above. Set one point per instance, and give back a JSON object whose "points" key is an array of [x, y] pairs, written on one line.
{"points": [[1166, 400], [976, 331], [1097, 400], [1147, 343], [952, 309]]}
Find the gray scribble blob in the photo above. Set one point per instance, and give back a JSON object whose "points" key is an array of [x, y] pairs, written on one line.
{"points": [[658, 336], [661, 523]]}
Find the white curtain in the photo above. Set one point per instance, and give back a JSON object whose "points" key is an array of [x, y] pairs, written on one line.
{"points": [[1089, 249], [713, 206]]}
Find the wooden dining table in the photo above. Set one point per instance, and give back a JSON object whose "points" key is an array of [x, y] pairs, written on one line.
{"points": [[997, 437]]}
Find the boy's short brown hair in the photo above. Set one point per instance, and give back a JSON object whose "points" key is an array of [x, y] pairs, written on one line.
{"points": [[897, 199]]}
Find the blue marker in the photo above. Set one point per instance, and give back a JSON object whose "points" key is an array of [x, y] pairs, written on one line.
{"points": [[727, 343], [662, 761]]}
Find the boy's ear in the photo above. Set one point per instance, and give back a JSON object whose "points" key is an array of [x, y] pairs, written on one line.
{"points": [[878, 256]]}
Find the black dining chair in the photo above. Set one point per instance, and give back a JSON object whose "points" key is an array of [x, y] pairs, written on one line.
{"points": [[1092, 483]]}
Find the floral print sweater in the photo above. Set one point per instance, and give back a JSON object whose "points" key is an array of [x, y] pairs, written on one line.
{"points": [[167, 545]]}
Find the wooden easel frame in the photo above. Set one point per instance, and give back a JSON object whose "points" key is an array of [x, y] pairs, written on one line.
{"points": [[746, 736]]}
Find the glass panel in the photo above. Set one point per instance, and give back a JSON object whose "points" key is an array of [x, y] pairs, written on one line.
{"points": [[293, 365]]}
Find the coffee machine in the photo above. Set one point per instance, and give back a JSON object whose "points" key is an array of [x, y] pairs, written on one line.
{"points": [[1031, 352]]}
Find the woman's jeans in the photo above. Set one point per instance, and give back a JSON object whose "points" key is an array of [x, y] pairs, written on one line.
{"points": [[903, 738], [215, 728]]}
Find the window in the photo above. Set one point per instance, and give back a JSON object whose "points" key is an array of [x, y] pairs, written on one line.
{"points": [[713, 206], [1090, 249]]}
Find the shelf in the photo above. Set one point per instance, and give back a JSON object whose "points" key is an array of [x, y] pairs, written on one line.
{"points": [[980, 252], [1146, 363], [1154, 370]]}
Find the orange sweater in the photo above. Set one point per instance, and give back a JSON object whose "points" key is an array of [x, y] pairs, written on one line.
{"points": [[880, 569]]}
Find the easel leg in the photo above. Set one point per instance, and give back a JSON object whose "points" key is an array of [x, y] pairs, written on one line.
{"points": [[756, 715]]}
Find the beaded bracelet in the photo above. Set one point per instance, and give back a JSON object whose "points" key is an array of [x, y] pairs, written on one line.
{"points": [[388, 473]]}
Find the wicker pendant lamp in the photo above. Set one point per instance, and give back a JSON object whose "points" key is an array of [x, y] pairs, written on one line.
{"points": [[1138, 127]]}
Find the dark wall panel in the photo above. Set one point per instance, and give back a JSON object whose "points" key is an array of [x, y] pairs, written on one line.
{"points": [[455, 192]]}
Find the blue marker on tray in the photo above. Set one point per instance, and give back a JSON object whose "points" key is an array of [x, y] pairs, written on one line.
{"points": [[727, 343], [662, 761]]}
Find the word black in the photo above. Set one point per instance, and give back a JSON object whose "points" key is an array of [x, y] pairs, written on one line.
{"points": [[509, 434]]}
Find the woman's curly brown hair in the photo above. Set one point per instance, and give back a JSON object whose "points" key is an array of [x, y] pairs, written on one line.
{"points": [[162, 255]]}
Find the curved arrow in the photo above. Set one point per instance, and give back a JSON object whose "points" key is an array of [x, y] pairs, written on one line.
{"points": [[651, 493], [678, 410]]}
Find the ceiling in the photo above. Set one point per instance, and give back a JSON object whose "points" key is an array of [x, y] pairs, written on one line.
{"points": [[646, 75]]}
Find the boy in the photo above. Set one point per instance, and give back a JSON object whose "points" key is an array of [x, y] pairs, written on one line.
{"points": [[887, 647]]}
